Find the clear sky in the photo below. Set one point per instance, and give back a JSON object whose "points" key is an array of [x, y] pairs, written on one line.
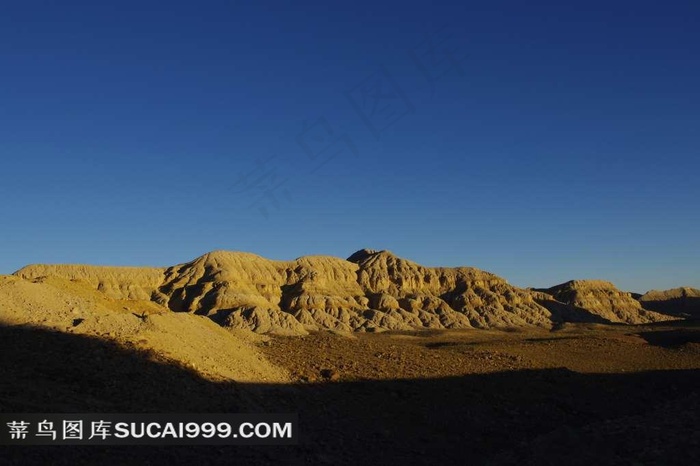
{"points": [[542, 141]]}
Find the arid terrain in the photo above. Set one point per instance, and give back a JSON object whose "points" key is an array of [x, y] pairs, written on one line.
{"points": [[385, 361]]}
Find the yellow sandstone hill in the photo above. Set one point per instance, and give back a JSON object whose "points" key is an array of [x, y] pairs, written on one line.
{"points": [[684, 302], [76, 307], [439, 297], [600, 300], [131, 283], [370, 291]]}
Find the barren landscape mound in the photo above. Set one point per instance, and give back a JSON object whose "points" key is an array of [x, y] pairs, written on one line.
{"points": [[133, 283], [684, 302], [74, 307], [370, 291], [603, 301]]}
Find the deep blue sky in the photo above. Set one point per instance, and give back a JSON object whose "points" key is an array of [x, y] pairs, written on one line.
{"points": [[542, 142]]}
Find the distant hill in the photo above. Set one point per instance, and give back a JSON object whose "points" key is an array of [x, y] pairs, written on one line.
{"points": [[682, 302], [599, 301], [370, 291]]}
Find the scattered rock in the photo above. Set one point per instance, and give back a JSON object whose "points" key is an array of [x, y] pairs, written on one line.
{"points": [[330, 375]]}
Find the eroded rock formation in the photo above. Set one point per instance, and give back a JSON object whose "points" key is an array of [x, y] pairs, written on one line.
{"points": [[596, 301], [370, 291], [682, 302]]}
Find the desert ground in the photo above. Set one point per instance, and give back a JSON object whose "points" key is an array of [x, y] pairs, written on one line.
{"points": [[578, 395]]}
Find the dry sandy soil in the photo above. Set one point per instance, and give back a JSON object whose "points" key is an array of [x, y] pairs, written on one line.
{"points": [[581, 394]]}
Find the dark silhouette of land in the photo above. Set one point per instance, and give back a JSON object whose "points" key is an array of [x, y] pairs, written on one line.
{"points": [[550, 416]]}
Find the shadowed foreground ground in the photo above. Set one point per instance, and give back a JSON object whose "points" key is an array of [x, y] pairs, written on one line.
{"points": [[523, 416]]}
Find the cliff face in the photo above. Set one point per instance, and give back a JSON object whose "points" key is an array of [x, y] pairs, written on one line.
{"points": [[373, 290], [598, 301], [370, 291], [247, 291], [444, 297]]}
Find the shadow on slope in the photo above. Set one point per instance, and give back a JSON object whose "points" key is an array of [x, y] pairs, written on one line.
{"points": [[521, 417], [562, 313], [49, 371], [687, 307], [672, 338]]}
